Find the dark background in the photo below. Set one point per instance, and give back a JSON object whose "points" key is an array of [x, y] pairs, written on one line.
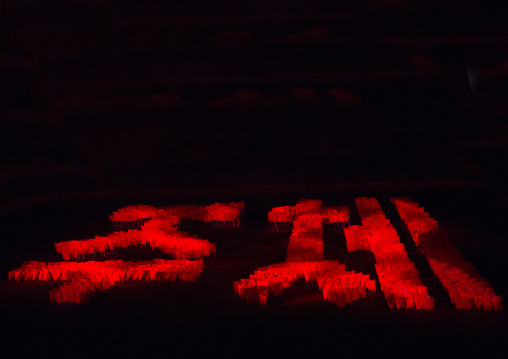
{"points": [[109, 103], [105, 95]]}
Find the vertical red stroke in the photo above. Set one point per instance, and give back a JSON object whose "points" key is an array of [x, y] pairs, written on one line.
{"points": [[305, 259], [399, 279], [467, 289]]}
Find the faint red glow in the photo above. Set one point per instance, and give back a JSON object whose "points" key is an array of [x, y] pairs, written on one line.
{"points": [[317, 33], [503, 66], [422, 61], [344, 96], [467, 289], [305, 95]]}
